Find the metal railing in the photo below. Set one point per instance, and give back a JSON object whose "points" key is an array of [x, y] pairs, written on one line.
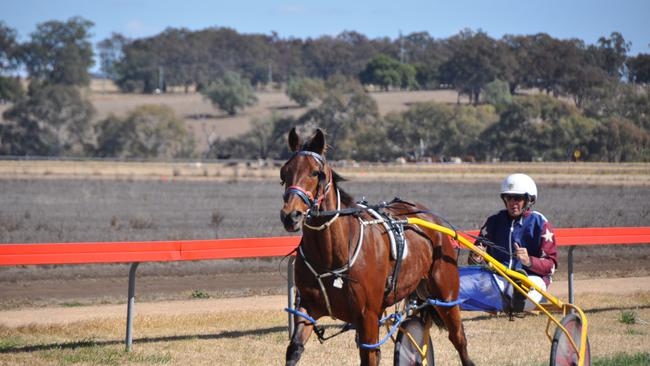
{"points": [[162, 251]]}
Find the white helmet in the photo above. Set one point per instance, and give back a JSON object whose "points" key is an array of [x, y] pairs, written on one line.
{"points": [[520, 184]]}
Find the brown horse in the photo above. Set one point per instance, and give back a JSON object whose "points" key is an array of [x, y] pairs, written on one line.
{"points": [[353, 261]]}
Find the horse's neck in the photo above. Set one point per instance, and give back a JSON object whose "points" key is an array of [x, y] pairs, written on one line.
{"points": [[330, 246]]}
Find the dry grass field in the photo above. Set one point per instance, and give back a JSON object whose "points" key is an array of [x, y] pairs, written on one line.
{"points": [[58, 201], [245, 337], [208, 122]]}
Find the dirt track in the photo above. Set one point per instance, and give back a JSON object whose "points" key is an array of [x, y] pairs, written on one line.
{"points": [[66, 315]]}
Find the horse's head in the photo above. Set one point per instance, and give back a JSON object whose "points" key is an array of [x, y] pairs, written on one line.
{"points": [[304, 177]]}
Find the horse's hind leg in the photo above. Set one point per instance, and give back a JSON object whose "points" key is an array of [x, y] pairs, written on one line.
{"points": [[451, 317], [302, 330]]}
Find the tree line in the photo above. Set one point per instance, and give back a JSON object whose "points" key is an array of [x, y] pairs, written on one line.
{"points": [[535, 127], [608, 119]]}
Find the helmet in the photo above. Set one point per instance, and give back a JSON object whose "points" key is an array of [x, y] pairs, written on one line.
{"points": [[519, 184]]}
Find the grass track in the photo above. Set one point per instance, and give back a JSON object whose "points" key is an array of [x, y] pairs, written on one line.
{"points": [[260, 338]]}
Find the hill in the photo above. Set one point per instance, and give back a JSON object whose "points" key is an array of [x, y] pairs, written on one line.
{"points": [[209, 122]]}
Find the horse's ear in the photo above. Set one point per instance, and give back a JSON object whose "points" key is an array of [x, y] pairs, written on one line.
{"points": [[294, 140], [317, 142]]}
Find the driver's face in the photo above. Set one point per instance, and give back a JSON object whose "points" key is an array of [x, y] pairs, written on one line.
{"points": [[515, 204]]}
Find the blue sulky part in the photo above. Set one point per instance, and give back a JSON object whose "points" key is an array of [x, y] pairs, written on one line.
{"points": [[435, 302], [399, 318], [301, 314]]}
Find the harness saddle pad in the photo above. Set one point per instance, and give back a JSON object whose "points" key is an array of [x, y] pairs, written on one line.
{"points": [[391, 236]]}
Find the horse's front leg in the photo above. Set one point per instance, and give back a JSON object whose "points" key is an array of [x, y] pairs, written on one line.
{"points": [[302, 330], [369, 334]]}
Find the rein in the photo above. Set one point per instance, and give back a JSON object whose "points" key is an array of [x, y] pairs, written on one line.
{"points": [[312, 202]]}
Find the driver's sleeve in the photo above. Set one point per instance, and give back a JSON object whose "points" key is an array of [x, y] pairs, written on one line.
{"points": [[546, 263]]}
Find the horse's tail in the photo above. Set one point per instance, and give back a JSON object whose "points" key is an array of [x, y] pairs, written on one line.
{"points": [[437, 319]]}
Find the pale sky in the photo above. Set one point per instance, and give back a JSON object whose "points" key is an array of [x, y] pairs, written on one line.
{"points": [[584, 19]]}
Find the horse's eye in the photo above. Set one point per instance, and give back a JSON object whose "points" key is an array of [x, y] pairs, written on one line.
{"points": [[314, 174]]}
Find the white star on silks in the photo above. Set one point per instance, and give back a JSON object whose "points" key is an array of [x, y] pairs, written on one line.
{"points": [[548, 235], [484, 232]]}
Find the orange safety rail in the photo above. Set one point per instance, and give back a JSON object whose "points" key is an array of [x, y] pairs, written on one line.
{"points": [[154, 251], [602, 236], [160, 251]]}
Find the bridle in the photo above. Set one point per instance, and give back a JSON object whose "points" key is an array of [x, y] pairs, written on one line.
{"points": [[313, 202]]}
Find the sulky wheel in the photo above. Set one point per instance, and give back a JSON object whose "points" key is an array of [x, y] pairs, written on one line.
{"points": [[406, 352], [562, 353]]}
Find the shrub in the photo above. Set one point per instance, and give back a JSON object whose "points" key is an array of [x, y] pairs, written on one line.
{"points": [[230, 93], [199, 294], [149, 131], [497, 93], [10, 89], [628, 317], [305, 90]]}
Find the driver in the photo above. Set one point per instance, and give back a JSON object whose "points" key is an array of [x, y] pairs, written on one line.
{"points": [[523, 239]]}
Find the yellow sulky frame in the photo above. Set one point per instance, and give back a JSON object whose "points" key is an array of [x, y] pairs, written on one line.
{"points": [[526, 285]]}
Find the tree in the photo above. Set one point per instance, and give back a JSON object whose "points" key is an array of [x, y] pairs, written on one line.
{"points": [[344, 110], [110, 53], [476, 60], [497, 93], [583, 78], [305, 90], [10, 87], [53, 120], [137, 71], [388, 72], [60, 52], [435, 129], [8, 48], [612, 53], [639, 69], [230, 93], [149, 131], [619, 140], [536, 127], [267, 139]]}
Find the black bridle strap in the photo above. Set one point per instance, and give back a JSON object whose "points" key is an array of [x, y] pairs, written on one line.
{"points": [[310, 200]]}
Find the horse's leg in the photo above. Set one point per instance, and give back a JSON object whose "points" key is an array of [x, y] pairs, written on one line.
{"points": [[369, 334], [451, 317], [302, 330]]}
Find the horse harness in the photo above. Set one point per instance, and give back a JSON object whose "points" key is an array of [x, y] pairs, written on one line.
{"points": [[394, 228], [396, 234], [312, 202]]}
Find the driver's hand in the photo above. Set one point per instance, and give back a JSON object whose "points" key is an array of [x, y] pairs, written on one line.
{"points": [[522, 255], [476, 258]]}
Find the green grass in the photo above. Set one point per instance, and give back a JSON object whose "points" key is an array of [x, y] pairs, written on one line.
{"points": [[621, 359], [628, 317], [72, 304], [104, 355], [199, 294], [10, 343], [624, 359]]}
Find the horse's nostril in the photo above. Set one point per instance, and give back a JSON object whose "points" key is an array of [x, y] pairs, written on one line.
{"points": [[295, 215]]}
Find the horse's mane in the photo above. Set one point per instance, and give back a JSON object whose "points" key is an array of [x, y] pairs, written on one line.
{"points": [[346, 198]]}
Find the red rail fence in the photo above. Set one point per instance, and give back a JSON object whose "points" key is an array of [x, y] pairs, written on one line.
{"points": [[162, 251]]}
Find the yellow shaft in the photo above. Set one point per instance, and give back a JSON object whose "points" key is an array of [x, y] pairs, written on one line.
{"points": [[509, 274]]}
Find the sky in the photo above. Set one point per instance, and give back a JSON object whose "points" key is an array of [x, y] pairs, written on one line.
{"points": [[584, 19]]}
